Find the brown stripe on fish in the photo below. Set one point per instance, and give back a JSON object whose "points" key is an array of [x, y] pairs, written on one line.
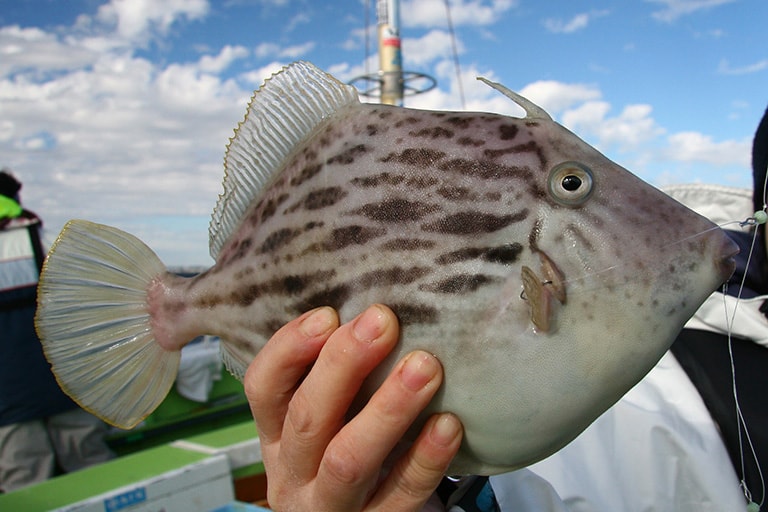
{"points": [[384, 178], [407, 244], [473, 222], [277, 239], [508, 131], [409, 314], [459, 284], [436, 132], [396, 210], [306, 173], [529, 147], [348, 156], [351, 235], [407, 120], [457, 193], [262, 213], [461, 122], [417, 157], [484, 169], [290, 285], [422, 181], [319, 199], [334, 297], [504, 254], [469, 141], [390, 276]]}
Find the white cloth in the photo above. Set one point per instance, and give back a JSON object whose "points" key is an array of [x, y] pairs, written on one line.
{"points": [[199, 368]]}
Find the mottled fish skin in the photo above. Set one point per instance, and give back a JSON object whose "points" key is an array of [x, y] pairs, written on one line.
{"points": [[434, 214]]}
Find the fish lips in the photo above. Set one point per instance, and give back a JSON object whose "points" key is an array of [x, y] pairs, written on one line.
{"points": [[727, 262]]}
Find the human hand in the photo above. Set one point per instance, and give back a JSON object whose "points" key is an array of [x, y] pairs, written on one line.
{"points": [[301, 385]]}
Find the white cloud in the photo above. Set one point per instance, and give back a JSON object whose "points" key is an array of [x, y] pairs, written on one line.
{"points": [[674, 9], [136, 20], [275, 51], [555, 97], [627, 131], [85, 121], [220, 62], [725, 68], [697, 147], [431, 13], [25, 49], [576, 23], [434, 45]]}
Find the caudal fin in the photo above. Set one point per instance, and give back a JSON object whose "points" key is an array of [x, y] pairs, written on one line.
{"points": [[93, 322]]}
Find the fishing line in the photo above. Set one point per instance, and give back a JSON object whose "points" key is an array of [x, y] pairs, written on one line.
{"points": [[759, 218], [741, 424]]}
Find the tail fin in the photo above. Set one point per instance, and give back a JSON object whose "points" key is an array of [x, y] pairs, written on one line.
{"points": [[93, 323]]}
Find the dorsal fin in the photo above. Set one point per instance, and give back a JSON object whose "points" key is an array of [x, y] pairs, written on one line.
{"points": [[280, 115], [532, 110]]}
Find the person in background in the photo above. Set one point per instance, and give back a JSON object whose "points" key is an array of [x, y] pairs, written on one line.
{"points": [[42, 432]]}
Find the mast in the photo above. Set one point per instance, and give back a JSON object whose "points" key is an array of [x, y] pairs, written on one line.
{"points": [[390, 54], [391, 83]]}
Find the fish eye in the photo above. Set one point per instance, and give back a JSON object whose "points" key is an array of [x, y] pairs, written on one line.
{"points": [[570, 183]]}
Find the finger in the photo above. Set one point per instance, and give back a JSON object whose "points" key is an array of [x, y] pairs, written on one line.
{"points": [[272, 377], [354, 458], [317, 410], [418, 473]]}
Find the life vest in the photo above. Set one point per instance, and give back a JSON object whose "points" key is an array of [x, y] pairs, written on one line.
{"points": [[21, 258]]}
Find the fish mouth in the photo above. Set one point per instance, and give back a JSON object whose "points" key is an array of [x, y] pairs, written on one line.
{"points": [[727, 263]]}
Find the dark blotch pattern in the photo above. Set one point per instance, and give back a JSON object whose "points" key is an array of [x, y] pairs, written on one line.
{"points": [[407, 121], [508, 131], [457, 193], [484, 169], [407, 244], [437, 132], [417, 157], [472, 222], [334, 297], [384, 178], [324, 197], [528, 147], [270, 207], [397, 210], [278, 239], [462, 283], [409, 314], [504, 254], [348, 156], [307, 173], [459, 122], [391, 276], [469, 141], [351, 235]]}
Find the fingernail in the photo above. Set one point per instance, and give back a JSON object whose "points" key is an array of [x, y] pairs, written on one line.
{"points": [[369, 325], [445, 429], [418, 370], [318, 322]]}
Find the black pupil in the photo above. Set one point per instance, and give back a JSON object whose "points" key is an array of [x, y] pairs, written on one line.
{"points": [[571, 183]]}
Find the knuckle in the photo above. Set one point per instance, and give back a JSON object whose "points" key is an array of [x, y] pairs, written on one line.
{"points": [[343, 466], [301, 422]]}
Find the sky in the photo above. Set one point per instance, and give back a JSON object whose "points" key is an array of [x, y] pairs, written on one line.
{"points": [[120, 111]]}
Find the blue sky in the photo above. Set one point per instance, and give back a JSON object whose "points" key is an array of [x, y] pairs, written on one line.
{"points": [[119, 111]]}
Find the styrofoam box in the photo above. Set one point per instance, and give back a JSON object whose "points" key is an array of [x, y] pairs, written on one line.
{"points": [[200, 486]]}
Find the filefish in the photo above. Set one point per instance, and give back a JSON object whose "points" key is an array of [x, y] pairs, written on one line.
{"points": [[546, 278]]}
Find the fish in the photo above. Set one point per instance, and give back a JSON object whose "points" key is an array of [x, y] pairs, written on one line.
{"points": [[546, 278]]}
